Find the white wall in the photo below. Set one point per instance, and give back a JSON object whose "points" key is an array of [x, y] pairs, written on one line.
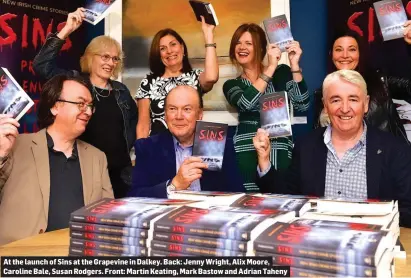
{"points": [[113, 28]]}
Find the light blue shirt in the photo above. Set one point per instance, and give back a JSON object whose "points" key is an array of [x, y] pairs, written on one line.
{"points": [[181, 154]]}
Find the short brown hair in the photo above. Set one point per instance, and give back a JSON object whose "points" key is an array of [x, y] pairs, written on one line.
{"points": [[259, 42], [51, 92], [156, 64], [96, 46]]}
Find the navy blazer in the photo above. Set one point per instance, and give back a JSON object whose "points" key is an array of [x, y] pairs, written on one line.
{"points": [[156, 165], [388, 166]]}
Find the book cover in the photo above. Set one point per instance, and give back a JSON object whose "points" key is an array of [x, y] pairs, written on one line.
{"points": [[200, 241], [96, 10], [299, 206], [209, 143], [108, 230], [13, 99], [391, 17], [278, 31], [275, 114], [214, 223], [337, 224], [120, 212], [110, 247], [192, 249], [322, 243], [206, 10], [124, 240]]}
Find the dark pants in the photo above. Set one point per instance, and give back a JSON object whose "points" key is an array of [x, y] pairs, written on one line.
{"points": [[119, 178]]}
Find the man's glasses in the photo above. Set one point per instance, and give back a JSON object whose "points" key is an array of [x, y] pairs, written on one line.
{"points": [[82, 106], [107, 58]]}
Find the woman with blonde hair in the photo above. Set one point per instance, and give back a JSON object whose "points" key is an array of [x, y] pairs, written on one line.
{"points": [[247, 50], [112, 128]]}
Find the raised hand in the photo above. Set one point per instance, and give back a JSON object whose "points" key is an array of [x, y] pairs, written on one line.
{"points": [[294, 54], [273, 54], [208, 31], [74, 21], [407, 31], [190, 170], [8, 134]]}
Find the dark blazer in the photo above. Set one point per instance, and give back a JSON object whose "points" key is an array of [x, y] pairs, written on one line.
{"points": [[388, 170], [156, 164]]}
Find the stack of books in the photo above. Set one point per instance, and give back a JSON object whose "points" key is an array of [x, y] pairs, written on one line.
{"points": [[120, 227], [325, 248], [218, 231]]}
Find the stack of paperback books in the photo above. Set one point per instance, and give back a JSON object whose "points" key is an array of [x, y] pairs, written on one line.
{"points": [[119, 227], [326, 248], [218, 231]]}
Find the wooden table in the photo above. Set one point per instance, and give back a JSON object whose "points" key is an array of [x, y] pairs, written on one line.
{"points": [[56, 244]]}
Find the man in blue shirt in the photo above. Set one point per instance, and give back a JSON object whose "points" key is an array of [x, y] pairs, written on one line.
{"points": [[164, 162]]}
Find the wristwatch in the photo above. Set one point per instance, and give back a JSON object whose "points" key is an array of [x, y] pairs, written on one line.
{"points": [[171, 188]]}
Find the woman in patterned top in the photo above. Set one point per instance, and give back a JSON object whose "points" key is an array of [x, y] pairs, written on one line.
{"points": [[247, 50], [170, 66]]}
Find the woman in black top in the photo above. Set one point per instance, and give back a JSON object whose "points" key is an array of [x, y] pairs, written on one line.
{"points": [[347, 52], [112, 128]]}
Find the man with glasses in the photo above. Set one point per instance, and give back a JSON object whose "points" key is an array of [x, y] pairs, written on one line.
{"points": [[46, 175]]}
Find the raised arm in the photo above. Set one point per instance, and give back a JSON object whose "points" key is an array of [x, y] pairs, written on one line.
{"points": [[44, 63], [211, 73]]}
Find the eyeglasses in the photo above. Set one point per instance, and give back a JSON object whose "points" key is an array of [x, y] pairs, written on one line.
{"points": [[82, 106], [107, 58]]}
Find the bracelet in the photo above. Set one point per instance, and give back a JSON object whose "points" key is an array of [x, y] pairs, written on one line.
{"points": [[300, 70], [211, 45], [265, 77]]}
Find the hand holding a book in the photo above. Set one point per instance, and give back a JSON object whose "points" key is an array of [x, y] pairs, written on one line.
{"points": [[294, 54], [208, 31], [407, 32], [273, 54], [74, 21], [262, 145], [8, 133], [189, 171]]}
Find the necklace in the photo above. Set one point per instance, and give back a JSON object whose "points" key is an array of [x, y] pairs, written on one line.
{"points": [[101, 92]]}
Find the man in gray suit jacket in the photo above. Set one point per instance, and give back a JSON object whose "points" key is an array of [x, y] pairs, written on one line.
{"points": [[46, 175]]}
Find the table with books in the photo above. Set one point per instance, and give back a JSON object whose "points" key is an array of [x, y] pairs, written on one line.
{"points": [[288, 229]]}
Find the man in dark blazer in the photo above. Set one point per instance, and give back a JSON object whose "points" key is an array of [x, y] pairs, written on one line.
{"points": [[164, 162], [348, 159]]}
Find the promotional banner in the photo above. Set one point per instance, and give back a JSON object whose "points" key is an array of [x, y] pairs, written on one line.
{"points": [[24, 26], [394, 56]]}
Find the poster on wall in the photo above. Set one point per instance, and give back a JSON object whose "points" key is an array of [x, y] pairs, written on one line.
{"points": [[393, 57], [24, 26], [143, 19]]}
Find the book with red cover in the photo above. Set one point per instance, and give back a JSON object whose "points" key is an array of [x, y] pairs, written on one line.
{"points": [[275, 114], [209, 143]]}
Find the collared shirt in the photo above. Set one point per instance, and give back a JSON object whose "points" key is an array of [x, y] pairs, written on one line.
{"points": [[181, 154], [66, 186], [346, 177]]}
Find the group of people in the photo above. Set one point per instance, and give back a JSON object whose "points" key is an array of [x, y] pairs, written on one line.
{"points": [[89, 125]]}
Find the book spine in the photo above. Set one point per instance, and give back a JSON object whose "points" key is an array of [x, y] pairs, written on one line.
{"points": [[302, 272], [109, 230], [80, 251], [192, 249], [110, 247], [219, 243], [117, 239], [300, 251], [320, 265]]}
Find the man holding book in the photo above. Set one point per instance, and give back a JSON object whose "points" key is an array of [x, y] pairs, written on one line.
{"points": [[45, 176], [164, 161], [348, 159]]}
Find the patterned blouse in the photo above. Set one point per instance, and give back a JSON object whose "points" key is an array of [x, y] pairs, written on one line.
{"points": [[156, 89]]}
